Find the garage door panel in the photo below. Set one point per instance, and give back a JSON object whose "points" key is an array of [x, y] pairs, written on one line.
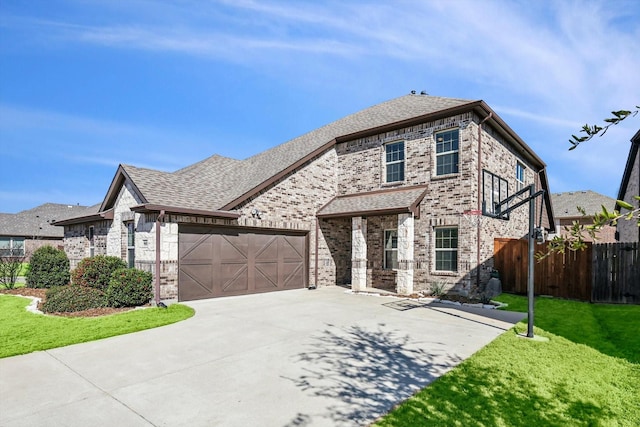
{"points": [[266, 247], [215, 262], [233, 248], [292, 272], [197, 247], [234, 279], [266, 276], [292, 248], [193, 282]]}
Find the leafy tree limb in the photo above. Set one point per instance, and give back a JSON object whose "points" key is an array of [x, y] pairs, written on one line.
{"points": [[577, 234], [594, 130]]}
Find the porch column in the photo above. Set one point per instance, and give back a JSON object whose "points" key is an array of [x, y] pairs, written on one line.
{"points": [[358, 253], [405, 254]]}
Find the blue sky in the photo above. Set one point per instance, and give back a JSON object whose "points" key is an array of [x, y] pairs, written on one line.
{"points": [[86, 85]]}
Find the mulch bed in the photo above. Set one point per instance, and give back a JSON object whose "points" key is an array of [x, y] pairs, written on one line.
{"points": [[41, 293]]}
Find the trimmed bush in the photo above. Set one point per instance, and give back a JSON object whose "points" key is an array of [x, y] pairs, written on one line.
{"points": [[48, 267], [96, 271], [129, 288], [73, 298]]}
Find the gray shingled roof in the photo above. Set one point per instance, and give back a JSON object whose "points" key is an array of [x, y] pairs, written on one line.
{"points": [[565, 204], [217, 181], [378, 201], [36, 222]]}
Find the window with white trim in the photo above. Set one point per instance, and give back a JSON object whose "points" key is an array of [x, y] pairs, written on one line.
{"points": [[394, 154], [11, 246], [447, 152], [447, 249], [390, 249], [131, 245], [519, 176], [92, 241]]}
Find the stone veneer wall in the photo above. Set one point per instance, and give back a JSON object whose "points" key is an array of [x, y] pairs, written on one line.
{"points": [[76, 240]]}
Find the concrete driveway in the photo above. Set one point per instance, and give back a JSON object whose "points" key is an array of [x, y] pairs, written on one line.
{"points": [[292, 358]]}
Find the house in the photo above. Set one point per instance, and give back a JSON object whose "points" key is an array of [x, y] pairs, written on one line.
{"points": [[565, 207], [629, 231], [387, 198], [24, 232]]}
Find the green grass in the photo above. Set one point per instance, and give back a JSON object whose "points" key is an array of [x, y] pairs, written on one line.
{"points": [[609, 328], [24, 332], [587, 374]]}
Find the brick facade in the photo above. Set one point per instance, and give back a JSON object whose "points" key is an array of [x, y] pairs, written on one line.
{"points": [[345, 168]]}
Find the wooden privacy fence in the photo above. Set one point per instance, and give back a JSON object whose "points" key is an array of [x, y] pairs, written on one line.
{"points": [[607, 272], [616, 273]]}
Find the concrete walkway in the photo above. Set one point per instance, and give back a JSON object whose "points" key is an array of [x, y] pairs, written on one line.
{"points": [[292, 358]]}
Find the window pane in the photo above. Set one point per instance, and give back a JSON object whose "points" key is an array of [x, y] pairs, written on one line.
{"points": [[447, 249], [447, 152], [130, 234], [391, 239], [395, 172], [447, 261], [447, 163], [391, 259], [131, 257], [5, 243], [395, 161]]}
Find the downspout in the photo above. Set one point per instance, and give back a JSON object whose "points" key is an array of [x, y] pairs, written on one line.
{"points": [[157, 287], [479, 229]]}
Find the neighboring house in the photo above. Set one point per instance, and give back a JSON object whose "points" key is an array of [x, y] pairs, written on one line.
{"points": [[380, 198], [628, 231], [565, 208], [24, 232]]}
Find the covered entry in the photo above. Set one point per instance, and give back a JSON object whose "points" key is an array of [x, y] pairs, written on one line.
{"points": [[216, 262]]}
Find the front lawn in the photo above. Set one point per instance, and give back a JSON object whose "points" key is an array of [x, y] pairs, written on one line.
{"points": [[24, 332], [587, 374]]}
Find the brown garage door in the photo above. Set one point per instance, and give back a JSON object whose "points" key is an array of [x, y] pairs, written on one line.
{"points": [[216, 262]]}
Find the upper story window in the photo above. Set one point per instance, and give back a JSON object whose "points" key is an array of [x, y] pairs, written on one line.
{"points": [[519, 176], [390, 249], [395, 161], [447, 249], [447, 152], [11, 246]]}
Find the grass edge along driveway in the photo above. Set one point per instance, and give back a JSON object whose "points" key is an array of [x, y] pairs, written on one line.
{"points": [[24, 332], [587, 374]]}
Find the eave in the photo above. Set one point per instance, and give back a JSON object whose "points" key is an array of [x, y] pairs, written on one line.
{"points": [[176, 210]]}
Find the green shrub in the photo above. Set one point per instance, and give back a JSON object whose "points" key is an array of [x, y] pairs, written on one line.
{"points": [[49, 267], [54, 290], [73, 298], [96, 271], [129, 287]]}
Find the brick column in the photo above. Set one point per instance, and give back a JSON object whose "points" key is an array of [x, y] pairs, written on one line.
{"points": [[405, 254], [358, 253]]}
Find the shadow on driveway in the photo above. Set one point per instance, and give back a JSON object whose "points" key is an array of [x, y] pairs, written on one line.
{"points": [[368, 371]]}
